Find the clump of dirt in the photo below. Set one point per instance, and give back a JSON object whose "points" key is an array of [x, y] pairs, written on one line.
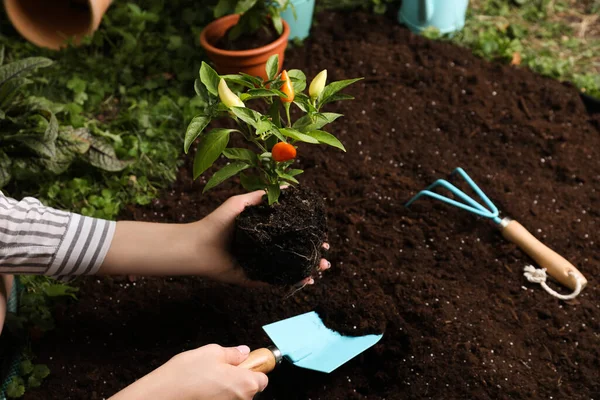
{"points": [[281, 244]]}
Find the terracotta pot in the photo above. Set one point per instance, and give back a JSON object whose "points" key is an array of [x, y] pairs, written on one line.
{"points": [[50, 23], [251, 61]]}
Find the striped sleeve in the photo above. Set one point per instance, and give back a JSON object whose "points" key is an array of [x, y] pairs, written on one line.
{"points": [[35, 239]]}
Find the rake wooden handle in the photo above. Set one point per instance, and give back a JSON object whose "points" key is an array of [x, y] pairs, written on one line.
{"points": [[556, 266], [261, 360]]}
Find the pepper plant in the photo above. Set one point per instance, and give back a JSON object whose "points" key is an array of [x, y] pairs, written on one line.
{"points": [[254, 15], [272, 137]]}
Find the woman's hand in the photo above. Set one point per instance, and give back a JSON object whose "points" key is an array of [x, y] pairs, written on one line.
{"points": [[210, 372], [214, 234], [200, 248]]}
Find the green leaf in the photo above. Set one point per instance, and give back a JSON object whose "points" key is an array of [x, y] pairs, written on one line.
{"points": [[247, 115], [22, 67], [5, 164], [327, 138], [194, 130], [51, 132], [258, 93], [273, 193], [209, 149], [298, 80], [244, 5], [16, 388], [240, 154], [60, 290], [277, 23], [297, 135], [210, 78], [287, 177], [41, 371], [239, 80], [34, 382], [101, 154], [251, 182], [315, 121], [255, 81], [40, 146], [294, 172], [272, 66], [340, 97], [26, 367], [201, 91], [224, 7], [225, 173], [335, 87]]}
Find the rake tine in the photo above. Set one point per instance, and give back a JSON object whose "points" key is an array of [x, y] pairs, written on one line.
{"points": [[455, 203], [456, 191], [476, 189]]}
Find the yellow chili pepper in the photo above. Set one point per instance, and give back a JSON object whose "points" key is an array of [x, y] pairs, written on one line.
{"points": [[318, 84], [228, 97], [287, 88]]}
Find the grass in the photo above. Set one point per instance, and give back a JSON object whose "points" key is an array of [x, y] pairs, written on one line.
{"points": [[555, 38]]}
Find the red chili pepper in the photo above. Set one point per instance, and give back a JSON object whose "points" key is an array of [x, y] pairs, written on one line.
{"points": [[287, 88], [283, 152]]}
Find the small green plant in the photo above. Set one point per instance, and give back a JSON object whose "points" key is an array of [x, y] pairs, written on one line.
{"points": [[255, 14], [273, 135], [28, 376], [31, 142]]}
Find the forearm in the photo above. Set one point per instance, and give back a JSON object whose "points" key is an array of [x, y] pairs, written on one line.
{"points": [[141, 248]]}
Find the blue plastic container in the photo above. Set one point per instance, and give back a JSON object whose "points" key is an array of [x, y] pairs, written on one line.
{"points": [[301, 23], [446, 15]]}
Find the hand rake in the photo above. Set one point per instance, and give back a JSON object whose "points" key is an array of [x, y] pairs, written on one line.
{"points": [[556, 266]]}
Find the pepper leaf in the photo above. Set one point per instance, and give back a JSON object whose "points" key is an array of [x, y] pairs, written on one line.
{"points": [[209, 149], [273, 65], [258, 93], [210, 78], [273, 193], [225, 173], [298, 80], [224, 7], [239, 80], [251, 182], [327, 138], [244, 5], [255, 81], [315, 121], [294, 172], [201, 91], [335, 87], [241, 154], [247, 115], [287, 177], [194, 130], [297, 135]]}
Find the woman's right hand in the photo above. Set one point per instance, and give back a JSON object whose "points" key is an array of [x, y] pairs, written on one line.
{"points": [[209, 372]]}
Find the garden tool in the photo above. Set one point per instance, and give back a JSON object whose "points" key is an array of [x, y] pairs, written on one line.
{"points": [[556, 266], [307, 343]]}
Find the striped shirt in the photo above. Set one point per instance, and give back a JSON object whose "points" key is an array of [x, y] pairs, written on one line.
{"points": [[35, 239]]}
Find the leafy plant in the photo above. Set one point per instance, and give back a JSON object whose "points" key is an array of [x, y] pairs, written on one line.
{"points": [[29, 376], [30, 139], [255, 14], [263, 132]]}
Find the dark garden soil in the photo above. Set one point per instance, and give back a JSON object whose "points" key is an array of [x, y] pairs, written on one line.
{"points": [[460, 321], [281, 244], [260, 38]]}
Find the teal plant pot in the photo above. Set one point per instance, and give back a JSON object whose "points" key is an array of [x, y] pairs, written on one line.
{"points": [[448, 16], [301, 23]]}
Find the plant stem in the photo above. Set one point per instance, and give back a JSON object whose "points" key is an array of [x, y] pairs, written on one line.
{"points": [[287, 112]]}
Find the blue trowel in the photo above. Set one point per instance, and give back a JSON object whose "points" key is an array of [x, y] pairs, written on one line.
{"points": [[306, 342]]}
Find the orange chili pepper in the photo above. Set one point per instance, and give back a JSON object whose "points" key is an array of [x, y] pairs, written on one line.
{"points": [[283, 152], [287, 88]]}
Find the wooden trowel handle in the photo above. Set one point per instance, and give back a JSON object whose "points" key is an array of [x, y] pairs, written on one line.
{"points": [[556, 266], [262, 360]]}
